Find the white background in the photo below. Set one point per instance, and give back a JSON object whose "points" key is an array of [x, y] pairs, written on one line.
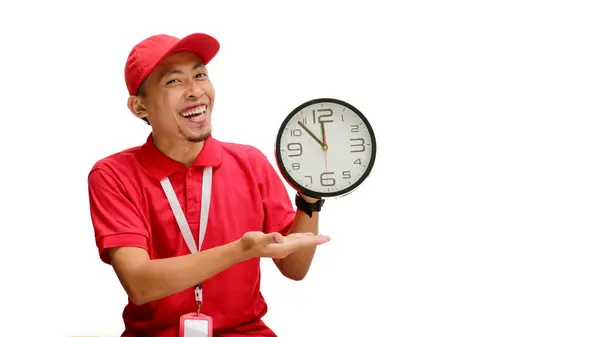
{"points": [[481, 217]]}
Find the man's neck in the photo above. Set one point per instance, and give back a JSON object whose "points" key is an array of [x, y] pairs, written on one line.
{"points": [[183, 151]]}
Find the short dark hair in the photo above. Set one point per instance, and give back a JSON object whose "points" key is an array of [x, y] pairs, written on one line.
{"points": [[142, 93]]}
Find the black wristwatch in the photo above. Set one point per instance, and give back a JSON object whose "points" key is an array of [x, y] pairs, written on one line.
{"points": [[308, 207]]}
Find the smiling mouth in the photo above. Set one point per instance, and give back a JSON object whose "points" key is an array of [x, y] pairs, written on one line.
{"points": [[197, 114]]}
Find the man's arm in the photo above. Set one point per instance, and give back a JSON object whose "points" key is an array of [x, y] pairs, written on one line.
{"points": [[147, 280], [296, 265]]}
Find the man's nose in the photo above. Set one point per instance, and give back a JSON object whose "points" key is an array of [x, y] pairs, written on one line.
{"points": [[194, 90]]}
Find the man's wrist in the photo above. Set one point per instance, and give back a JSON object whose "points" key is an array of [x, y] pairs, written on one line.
{"points": [[308, 204], [239, 252]]}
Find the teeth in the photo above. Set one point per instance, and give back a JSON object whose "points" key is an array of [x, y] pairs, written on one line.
{"points": [[198, 111], [197, 118]]}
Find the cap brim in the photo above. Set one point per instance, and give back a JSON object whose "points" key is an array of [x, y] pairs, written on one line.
{"points": [[203, 45]]}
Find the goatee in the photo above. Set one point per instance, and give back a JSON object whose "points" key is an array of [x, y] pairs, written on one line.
{"points": [[198, 139]]}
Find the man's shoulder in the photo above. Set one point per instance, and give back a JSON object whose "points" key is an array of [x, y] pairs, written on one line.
{"points": [[118, 161]]}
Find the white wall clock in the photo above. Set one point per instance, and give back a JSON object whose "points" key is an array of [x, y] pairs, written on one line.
{"points": [[325, 148]]}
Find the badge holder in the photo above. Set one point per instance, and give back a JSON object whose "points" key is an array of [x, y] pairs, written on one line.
{"points": [[196, 324]]}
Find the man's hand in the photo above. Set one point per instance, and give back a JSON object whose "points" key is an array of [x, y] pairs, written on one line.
{"points": [[277, 246]]}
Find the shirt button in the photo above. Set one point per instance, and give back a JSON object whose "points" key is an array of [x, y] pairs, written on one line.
{"points": [[193, 201], [189, 174]]}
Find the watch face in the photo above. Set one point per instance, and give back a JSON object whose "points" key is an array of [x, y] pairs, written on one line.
{"points": [[325, 147]]}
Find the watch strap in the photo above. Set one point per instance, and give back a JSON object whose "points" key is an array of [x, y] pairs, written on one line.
{"points": [[308, 207]]}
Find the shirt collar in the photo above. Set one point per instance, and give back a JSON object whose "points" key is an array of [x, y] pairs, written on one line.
{"points": [[160, 166]]}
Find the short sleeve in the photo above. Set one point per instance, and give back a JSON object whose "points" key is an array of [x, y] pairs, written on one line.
{"points": [[279, 213], [116, 220]]}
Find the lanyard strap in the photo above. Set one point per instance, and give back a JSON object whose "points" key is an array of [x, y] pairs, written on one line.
{"points": [[178, 212], [182, 221]]}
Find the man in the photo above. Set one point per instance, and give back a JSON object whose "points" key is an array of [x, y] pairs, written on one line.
{"points": [[144, 200]]}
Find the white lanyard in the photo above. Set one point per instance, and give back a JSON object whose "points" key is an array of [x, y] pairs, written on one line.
{"points": [[182, 221], [180, 217]]}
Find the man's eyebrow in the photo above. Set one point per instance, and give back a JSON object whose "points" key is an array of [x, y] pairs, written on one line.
{"points": [[177, 71]]}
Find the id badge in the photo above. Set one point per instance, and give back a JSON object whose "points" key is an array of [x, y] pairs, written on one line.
{"points": [[195, 325]]}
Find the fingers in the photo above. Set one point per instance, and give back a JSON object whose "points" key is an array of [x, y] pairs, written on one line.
{"points": [[293, 241], [304, 238], [311, 235], [278, 246], [296, 236], [309, 239], [319, 239]]}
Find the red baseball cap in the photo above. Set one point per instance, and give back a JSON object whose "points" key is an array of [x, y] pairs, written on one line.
{"points": [[150, 52]]}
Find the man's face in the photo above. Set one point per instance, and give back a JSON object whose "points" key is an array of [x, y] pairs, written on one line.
{"points": [[179, 98]]}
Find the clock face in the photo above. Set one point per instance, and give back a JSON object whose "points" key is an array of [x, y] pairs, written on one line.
{"points": [[325, 147]]}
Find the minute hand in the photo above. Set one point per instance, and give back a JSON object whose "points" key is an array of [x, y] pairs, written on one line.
{"points": [[310, 133]]}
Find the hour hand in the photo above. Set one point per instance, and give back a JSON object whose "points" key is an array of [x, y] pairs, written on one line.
{"points": [[310, 133]]}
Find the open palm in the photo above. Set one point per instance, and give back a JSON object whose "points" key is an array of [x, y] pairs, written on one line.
{"points": [[275, 245]]}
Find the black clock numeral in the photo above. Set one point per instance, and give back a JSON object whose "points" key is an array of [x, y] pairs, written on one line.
{"points": [[361, 146], [326, 180], [296, 166], [323, 113], [304, 121], [296, 132], [357, 161], [309, 178], [354, 128], [295, 147], [346, 175]]}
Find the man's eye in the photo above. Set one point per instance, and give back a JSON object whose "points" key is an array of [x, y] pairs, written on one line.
{"points": [[201, 75], [171, 81]]}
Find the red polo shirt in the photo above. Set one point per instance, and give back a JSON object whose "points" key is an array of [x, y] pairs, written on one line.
{"points": [[129, 208]]}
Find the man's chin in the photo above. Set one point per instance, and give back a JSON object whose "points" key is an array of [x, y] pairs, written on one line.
{"points": [[195, 134], [198, 138]]}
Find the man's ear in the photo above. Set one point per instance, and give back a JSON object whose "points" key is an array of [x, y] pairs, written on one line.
{"points": [[136, 106]]}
